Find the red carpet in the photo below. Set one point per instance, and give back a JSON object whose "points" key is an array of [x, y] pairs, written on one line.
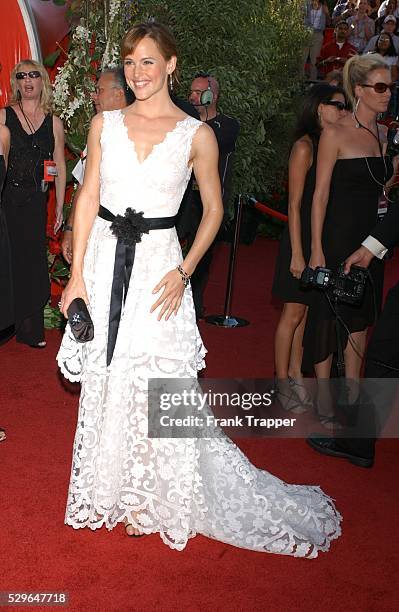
{"points": [[108, 571]]}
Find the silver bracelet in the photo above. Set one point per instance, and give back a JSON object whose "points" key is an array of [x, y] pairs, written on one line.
{"points": [[184, 276]]}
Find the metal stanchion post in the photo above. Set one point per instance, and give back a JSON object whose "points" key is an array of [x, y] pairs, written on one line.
{"points": [[226, 319]]}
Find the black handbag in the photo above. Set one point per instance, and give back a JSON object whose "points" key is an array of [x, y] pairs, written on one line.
{"points": [[80, 321]]}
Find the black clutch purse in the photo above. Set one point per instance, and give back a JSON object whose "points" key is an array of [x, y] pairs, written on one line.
{"points": [[80, 321]]}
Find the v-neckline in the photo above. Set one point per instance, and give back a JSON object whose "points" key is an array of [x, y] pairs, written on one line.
{"points": [[156, 145], [21, 126]]}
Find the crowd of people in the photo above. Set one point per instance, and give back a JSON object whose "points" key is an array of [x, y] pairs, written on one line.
{"points": [[360, 26]]}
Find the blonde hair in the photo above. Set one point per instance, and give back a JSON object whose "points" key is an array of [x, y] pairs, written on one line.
{"points": [[46, 96], [356, 71]]}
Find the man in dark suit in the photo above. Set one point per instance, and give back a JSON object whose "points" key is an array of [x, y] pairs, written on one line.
{"points": [[382, 357]]}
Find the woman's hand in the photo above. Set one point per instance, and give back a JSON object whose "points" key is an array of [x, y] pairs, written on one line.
{"points": [[317, 260], [58, 219], [297, 266], [74, 289], [172, 294]]}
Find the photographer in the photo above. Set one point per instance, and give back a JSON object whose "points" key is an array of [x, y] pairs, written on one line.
{"points": [[351, 174], [382, 357]]}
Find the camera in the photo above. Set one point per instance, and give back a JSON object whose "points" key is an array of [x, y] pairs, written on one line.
{"points": [[348, 288]]}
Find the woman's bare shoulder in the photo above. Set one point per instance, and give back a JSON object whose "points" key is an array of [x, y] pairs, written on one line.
{"points": [[302, 149], [303, 144]]}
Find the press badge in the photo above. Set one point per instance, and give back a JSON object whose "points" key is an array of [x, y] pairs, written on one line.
{"points": [[50, 170], [382, 207]]}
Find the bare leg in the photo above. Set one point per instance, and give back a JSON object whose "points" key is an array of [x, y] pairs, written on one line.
{"points": [[294, 368], [353, 363], [289, 334], [325, 404], [354, 354], [288, 355]]}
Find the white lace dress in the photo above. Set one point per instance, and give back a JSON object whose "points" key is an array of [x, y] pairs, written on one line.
{"points": [[176, 487]]}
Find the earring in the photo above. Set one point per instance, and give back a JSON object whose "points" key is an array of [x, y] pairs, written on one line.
{"points": [[319, 116], [171, 82], [357, 124]]}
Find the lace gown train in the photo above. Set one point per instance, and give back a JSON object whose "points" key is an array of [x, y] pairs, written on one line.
{"points": [[176, 487]]}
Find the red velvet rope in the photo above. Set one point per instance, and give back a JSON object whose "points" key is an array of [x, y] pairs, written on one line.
{"points": [[266, 210]]}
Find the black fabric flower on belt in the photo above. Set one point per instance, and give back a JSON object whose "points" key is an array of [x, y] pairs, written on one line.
{"points": [[130, 227]]}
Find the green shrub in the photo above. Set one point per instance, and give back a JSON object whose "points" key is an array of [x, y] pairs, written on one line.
{"points": [[254, 50]]}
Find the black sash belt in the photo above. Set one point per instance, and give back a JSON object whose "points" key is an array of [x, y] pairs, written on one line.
{"points": [[128, 228]]}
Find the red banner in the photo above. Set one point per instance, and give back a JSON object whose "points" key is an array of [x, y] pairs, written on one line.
{"points": [[14, 43]]}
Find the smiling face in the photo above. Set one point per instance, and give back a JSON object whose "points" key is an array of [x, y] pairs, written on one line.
{"points": [[376, 102], [146, 69], [29, 88]]}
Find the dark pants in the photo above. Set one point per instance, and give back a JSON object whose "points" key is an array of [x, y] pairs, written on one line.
{"points": [[31, 330], [383, 348], [201, 274], [199, 280]]}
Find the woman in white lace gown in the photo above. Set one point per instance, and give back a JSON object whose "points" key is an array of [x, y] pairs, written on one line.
{"points": [[142, 158]]}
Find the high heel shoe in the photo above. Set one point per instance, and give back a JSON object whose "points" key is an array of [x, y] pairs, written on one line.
{"points": [[287, 397], [301, 392]]}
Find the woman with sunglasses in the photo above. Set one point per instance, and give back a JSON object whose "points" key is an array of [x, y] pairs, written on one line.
{"points": [[323, 106], [37, 141], [352, 172]]}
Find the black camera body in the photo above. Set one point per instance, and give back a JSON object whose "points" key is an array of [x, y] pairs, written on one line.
{"points": [[348, 288]]}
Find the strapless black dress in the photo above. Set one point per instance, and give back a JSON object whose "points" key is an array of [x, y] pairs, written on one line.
{"points": [[356, 187]]}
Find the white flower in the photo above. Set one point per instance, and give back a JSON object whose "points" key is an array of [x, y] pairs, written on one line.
{"points": [[82, 33]]}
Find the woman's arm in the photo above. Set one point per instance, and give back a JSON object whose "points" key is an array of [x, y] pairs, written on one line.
{"points": [[85, 213], [4, 142], [60, 179], [326, 158], [298, 167], [204, 157]]}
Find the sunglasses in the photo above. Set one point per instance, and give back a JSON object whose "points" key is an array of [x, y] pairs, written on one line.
{"points": [[381, 87], [337, 103], [32, 74]]}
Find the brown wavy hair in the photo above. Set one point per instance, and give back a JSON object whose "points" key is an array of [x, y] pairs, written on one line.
{"points": [[160, 34], [46, 96]]}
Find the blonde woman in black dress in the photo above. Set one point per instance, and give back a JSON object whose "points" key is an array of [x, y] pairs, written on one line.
{"points": [[36, 135], [352, 171]]}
